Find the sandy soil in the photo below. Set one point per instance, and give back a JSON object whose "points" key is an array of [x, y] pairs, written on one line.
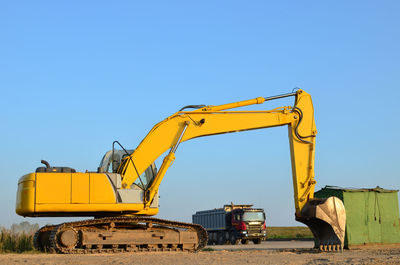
{"points": [[289, 244], [371, 255]]}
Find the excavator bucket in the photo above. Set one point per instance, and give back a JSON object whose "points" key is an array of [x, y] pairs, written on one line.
{"points": [[326, 219]]}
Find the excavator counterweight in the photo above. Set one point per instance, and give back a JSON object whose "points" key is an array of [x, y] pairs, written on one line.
{"points": [[123, 193]]}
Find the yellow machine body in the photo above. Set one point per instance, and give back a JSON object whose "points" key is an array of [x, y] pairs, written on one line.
{"points": [[72, 194]]}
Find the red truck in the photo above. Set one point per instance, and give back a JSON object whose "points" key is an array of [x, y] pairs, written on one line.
{"points": [[233, 223]]}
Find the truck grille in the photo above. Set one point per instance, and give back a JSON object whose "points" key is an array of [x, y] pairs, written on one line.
{"points": [[253, 229]]}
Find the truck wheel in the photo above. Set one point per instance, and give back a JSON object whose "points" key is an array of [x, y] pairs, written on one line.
{"points": [[233, 240], [221, 239], [244, 241], [257, 241]]}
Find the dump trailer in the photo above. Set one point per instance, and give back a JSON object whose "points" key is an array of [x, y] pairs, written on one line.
{"points": [[233, 223]]}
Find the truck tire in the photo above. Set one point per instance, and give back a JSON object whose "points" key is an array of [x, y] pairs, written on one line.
{"points": [[257, 241], [244, 241], [221, 239], [213, 237], [232, 239]]}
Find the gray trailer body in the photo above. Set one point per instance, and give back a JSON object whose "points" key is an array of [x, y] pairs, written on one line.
{"points": [[211, 220]]}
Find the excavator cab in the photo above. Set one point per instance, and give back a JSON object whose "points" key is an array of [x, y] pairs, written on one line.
{"points": [[112, 158], [111, 161]]}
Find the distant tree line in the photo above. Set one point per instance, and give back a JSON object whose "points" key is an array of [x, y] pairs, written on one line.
{"points": [[19, 238], [24, 227]]}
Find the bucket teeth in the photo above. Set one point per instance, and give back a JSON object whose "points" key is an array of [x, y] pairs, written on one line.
{"points": [[326, 219], [331, 248]]}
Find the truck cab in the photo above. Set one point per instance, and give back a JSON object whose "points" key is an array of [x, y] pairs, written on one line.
{"points": [[248, 224]]}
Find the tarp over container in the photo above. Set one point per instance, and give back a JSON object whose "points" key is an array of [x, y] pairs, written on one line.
{"points": [[372, 214]]}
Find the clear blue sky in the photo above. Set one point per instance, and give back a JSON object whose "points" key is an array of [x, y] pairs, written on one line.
{"points": [[76, 75]]}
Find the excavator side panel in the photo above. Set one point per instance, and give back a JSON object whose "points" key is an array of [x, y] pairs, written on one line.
{"points": [[101, 190], [80, 188], [53, 188]]}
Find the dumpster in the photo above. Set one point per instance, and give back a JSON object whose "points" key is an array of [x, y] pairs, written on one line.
{"points": [[372, 214]]}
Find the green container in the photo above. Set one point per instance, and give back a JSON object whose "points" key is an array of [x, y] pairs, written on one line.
{"points": [[372, 215]]}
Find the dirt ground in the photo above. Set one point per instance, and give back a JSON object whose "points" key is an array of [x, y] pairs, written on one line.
{"points": [[370, 255]]}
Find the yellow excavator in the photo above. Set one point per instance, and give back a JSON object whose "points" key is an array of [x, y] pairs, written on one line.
{"points": [[123, 194]]}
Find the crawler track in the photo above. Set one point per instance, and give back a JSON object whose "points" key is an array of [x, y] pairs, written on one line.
{"points": [[121, 234], [41, 238]]}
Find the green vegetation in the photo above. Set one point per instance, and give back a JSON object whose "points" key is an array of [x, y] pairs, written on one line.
{"points": [[207, 249], [10, 242], [291, 232], [17, 239]]}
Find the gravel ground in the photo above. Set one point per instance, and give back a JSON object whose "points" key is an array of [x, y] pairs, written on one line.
{"points": [[371, 255]]}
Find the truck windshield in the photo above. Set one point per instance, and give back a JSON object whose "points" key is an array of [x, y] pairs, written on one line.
{"points": [[253, 216]]}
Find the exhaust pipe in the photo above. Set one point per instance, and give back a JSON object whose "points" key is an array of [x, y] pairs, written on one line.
{"points": [[326, 219]]}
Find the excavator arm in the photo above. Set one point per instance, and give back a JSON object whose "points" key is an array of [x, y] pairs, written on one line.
{"points": [[212, 120], [326, 218]]}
